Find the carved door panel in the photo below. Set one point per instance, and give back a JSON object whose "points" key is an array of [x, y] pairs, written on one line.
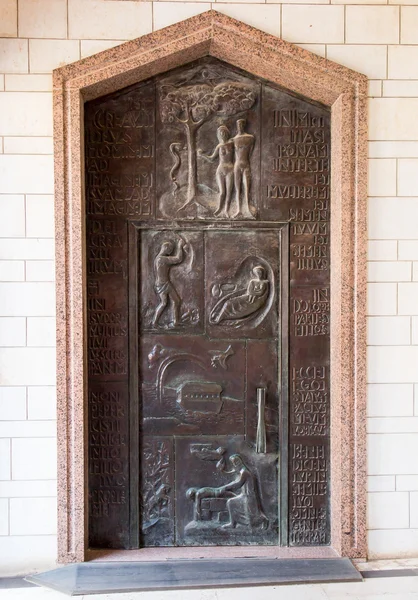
{"points": [[208, 312], [210, 316]]}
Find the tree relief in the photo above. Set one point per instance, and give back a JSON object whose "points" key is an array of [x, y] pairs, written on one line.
{"points": [[205, 97], [156, 489]]}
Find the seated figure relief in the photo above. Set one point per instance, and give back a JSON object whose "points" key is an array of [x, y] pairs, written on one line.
{"points": [[242, 494], [241, 304]]}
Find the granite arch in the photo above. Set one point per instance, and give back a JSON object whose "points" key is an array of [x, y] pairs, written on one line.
{"points": [[303, 73]]}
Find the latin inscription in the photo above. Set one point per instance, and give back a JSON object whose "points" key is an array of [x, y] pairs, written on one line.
{"points": [[311, 316], [301, 165], [130, 195], [107, 452], [310, 401], [297, 192], [105, 242], [298, 119], [105, 327], [308, 522], [120, 155], [297, 184], [106, 319], [120, 185]]}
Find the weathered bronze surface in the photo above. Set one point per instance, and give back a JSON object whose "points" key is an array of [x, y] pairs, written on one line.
{"points": [[207, 231]]}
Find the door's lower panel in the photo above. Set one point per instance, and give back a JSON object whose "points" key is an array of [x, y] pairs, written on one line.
{"points": [[209, 331]]}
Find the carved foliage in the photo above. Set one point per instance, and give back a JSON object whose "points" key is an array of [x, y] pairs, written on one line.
{"points": [[195, 103], [198, 97], [156, 486]]}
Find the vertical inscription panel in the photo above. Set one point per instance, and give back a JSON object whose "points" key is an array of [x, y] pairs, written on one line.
{"points": [[296, 180], [108, 464], [120, 154], [119, 160], [295, 187]]}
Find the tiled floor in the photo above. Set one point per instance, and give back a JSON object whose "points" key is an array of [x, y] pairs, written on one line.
{"points": [[394, 588], [394, 563]]}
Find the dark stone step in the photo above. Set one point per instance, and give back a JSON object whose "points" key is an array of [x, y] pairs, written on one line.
{"points": [[103, 577]]}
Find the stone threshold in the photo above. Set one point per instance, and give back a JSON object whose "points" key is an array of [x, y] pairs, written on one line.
{"points": [[7, 583], [112, 577], [212, 552]]}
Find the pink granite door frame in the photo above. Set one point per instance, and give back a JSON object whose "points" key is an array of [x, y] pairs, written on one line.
{"points": [[298, 70]]}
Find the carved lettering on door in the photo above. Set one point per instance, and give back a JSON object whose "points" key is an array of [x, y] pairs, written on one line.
{"points": [[208, 312]]}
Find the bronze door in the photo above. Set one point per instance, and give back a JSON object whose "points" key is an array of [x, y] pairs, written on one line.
{"points": [[209, 385], [208, 312]]}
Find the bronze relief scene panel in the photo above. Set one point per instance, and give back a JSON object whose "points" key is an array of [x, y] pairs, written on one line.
{"points": [[207, 252], [200, 389], [208, 144]]}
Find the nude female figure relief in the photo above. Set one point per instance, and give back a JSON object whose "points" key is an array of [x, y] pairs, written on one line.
{"points": [[225, 170], [240, 305], [234, 170]]}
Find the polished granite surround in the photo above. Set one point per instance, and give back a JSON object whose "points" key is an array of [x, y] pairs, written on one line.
{"points": [[301, 72]]}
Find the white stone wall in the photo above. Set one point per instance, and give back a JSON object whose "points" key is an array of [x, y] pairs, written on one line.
{"points": [[376, 37]]}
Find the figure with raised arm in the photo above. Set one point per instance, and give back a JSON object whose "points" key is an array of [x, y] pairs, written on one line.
{"points": [[164, 288]]}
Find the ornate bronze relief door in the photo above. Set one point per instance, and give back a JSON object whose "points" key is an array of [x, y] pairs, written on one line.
{"points": [[207, 196], [209, 384]]}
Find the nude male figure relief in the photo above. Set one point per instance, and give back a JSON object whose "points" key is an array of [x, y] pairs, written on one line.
{"points": [[166, 258]]}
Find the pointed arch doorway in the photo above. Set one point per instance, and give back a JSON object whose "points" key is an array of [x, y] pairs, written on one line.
{"points": [[271, 89]]}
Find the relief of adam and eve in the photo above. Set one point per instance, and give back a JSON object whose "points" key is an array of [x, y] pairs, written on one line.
{"points": [[202, 107], [234, 170]]}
